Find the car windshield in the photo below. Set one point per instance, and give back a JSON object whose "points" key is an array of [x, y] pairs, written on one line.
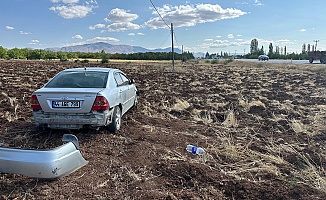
{"points": [[73, 79]]}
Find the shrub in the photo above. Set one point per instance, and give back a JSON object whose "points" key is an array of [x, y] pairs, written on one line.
{"points": [[105, 60], [214, 61], [227, 61]]}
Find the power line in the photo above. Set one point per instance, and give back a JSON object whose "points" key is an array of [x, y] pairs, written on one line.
{"points": [[159, 14], [165, 40], [175, 37]]}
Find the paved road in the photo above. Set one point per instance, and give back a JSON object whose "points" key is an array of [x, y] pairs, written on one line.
{"points": [[282, 61]]}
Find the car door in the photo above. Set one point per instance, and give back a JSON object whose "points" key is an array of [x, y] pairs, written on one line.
{"points": [[130, 94], [123, 89]]}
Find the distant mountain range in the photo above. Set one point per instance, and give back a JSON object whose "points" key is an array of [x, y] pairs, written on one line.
{"points": [[110, 48]]}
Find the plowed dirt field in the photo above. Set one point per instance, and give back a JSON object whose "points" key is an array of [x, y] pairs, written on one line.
{"points": [[262, 125]]}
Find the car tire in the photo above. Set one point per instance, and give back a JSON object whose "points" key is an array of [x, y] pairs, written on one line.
{"points": [[115, 125], [311, 60]]}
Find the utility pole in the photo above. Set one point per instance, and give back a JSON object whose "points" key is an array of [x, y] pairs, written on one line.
{"points": [[172, 46], [182, 58]]}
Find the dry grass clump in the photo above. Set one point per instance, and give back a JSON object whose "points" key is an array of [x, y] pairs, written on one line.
{"points": [[310, 172], [230, 120], [202, 116], [10, 116], [247, 105], [297, 126], [180, 105]]}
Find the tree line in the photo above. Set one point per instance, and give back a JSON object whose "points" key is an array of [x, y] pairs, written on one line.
{"points": [[277, 52], [41, 54], [273, 52]]}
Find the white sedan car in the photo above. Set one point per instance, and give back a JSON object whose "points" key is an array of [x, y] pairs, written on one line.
{"points": [[84, 98]]}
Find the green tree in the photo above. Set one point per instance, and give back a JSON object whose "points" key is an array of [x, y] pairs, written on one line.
{"points": [[14, 53], [261, 51], [303, 48], [63, 56], [270, 50], [277, 51], [72, 55], [52, 55], [105, 57], [254, 46], [3, 52], [207, 56]]}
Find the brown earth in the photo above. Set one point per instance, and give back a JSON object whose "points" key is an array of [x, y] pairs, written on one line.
{"points": [[262, 126]]}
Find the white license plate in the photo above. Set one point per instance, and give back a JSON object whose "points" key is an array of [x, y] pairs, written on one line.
{"points": [[65, 104]]}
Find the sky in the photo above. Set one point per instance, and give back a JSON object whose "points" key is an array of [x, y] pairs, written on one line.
{"points": [[198, 25]]}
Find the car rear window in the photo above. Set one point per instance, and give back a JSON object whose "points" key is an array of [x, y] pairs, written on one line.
{"points": [[88, 79]]}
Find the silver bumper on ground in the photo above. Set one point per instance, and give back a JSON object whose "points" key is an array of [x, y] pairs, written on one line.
{"points": [[43, 164]]}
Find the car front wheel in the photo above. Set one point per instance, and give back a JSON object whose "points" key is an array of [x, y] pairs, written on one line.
{"points": [[116, 120]]}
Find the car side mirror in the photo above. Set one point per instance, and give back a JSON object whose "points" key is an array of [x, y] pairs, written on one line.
{"points": [[131, 81]]}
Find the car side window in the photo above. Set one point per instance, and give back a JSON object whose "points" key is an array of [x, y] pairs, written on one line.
{"points": [[124, 79], [121, 79], [118, 79]]}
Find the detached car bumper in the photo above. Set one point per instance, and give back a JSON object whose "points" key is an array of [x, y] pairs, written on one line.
{"points": [[72, 121], [43, 164]]}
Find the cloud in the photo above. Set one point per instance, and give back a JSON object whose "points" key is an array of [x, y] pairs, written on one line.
{"points": [[70, 9], [131, 34], [303, 30], [24, 33], [229, 44], [10, 28], [65, 1], [78, 37], [283, 42], [223, 44], [218, 36], [230, 36], [34, 42], [190, 15], [221, 41], [257, 3], [140, 34], [70, 12], [116, 27], [103, 39], [275, 42], [220, 44], [120, 16], [206, 40], [121, 20], [100, 26], [239, 35]]}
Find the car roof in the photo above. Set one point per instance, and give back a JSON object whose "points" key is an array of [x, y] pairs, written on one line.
{"points": [[98, 69]]}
